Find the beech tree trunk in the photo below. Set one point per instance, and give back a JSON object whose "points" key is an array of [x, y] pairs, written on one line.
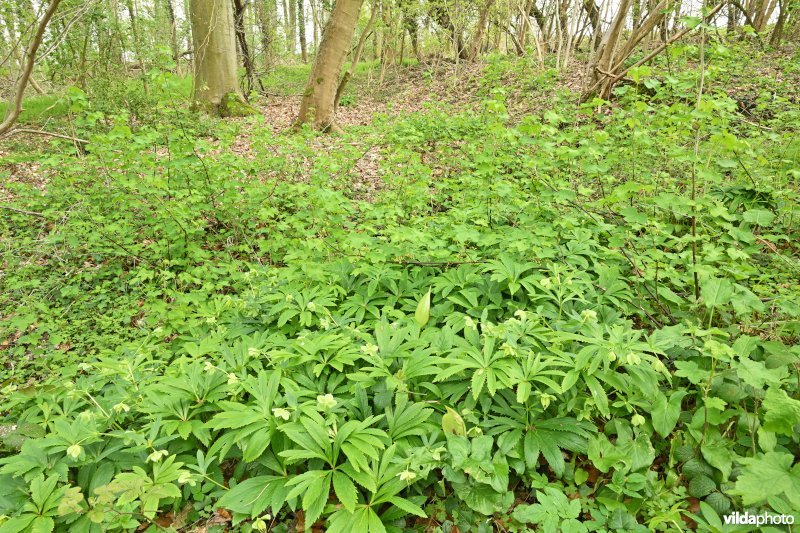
{"points": [[317, 106], [216, 87], [538, 15], [410, 25], [606, 53], [173, 32]]}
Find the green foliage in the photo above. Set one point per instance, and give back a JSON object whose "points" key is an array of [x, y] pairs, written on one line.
{"points": [[506, 334]]}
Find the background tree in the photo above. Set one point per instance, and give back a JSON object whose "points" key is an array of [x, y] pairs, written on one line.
{"points": [[317, 106], [267, 16], [239, 13], [301, 30], [216, 83], [15, 105]]}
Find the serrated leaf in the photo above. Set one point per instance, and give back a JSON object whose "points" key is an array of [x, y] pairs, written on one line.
{"points": [[701, 486], [407, 506], [781, 412], [719, 502], [718, 456], [345, 490], [767, 475]]}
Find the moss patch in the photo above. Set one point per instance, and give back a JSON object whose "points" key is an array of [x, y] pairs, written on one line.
{"points": [[233, 105]]}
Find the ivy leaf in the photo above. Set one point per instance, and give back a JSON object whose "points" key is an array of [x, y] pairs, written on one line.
{"points": [[530, 514], [483, 499], [766, 440], [603, 454], [745, 301], [423, 313], [640, 453], [712, 402], [691, 371]]}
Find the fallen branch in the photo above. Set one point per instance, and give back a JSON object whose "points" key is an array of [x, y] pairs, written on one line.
{"points": [[444, 264], [22, 211], [45, 133]]}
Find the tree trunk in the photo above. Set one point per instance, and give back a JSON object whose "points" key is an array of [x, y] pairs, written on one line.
{"points": [[314, 23], [777, 31], [10, 24], [301, 30], [266, 27], [538, 15], [731, 22], [216, 88], [676, 16], [241, 37], [439, 13], [764, 13], [356, 57], [563, 20], [593, 13], [15, 105], [410, 25], [173, 33], [480, 28], [137, 47], [318, 98], [387, 48], [135, 32], [291, 31], [608, 67], [606, 52]]}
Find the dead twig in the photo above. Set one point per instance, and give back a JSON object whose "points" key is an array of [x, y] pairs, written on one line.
{"points": [[45, 133], [22, 211]]}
